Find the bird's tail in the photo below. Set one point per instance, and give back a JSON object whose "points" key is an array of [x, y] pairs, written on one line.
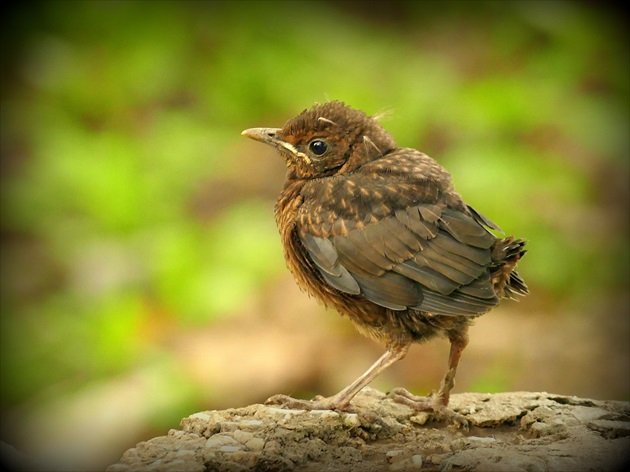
{"points": [[505, 255]]}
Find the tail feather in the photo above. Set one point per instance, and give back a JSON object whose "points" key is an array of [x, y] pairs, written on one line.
{"points": [[505, 255], [515, 286]]}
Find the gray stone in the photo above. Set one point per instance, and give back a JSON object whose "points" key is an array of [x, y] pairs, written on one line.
{"points": [[515, 431]]}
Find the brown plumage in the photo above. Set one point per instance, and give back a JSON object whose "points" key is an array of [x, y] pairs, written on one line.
{"points": [[379, 233]]}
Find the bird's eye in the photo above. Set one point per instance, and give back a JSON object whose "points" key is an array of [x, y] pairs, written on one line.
{"points": [[318, 147]]}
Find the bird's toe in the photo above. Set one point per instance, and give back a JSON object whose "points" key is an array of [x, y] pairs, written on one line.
{"points": [[429, 404]]}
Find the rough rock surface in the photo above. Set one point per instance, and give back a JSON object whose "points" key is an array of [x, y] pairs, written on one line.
{"points": [[519, 431]]}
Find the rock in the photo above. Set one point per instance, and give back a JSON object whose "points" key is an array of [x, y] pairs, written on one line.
{"points": [[517, 431]]}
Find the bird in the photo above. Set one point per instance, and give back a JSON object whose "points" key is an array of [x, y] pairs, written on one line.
{"points": [[379, 233]]}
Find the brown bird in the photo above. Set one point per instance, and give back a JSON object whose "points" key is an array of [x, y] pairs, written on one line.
{"points": [[379, 233]]}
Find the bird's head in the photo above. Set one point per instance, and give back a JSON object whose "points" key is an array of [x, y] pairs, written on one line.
{"points": [[325, 140]]}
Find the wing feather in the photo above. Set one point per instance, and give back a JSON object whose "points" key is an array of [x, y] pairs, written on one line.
{"points": [[344, 282], [426, 276], [399, 245], [323, 254], [391, 290], [466, 229]]}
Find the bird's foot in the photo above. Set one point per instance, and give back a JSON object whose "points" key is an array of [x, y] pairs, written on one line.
{"points": [[317, 403], [432, 404]]}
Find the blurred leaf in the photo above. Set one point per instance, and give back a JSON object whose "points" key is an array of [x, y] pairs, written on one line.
{"points": [[202, 274]]}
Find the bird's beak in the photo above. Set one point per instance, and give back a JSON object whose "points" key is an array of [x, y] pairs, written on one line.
{"points": [[270, 136], [264, 135]]}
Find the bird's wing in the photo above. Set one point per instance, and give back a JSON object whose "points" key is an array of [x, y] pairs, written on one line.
{"points": [[396, 241]]}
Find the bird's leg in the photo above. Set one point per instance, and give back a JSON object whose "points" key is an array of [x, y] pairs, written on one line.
{"points": [[341, 400], [439, 401], [459, 341]]}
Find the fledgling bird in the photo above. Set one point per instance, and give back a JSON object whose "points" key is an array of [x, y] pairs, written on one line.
{"points": [[379, 233]]}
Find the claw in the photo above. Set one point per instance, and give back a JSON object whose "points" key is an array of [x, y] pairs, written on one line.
{"points": [[318, 403], [429, 404]]}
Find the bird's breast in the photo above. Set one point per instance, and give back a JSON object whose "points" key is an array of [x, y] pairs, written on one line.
{"points": [[298, 262]]}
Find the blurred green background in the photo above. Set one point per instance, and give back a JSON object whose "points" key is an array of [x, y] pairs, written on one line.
{"points": [[142, 274]]}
